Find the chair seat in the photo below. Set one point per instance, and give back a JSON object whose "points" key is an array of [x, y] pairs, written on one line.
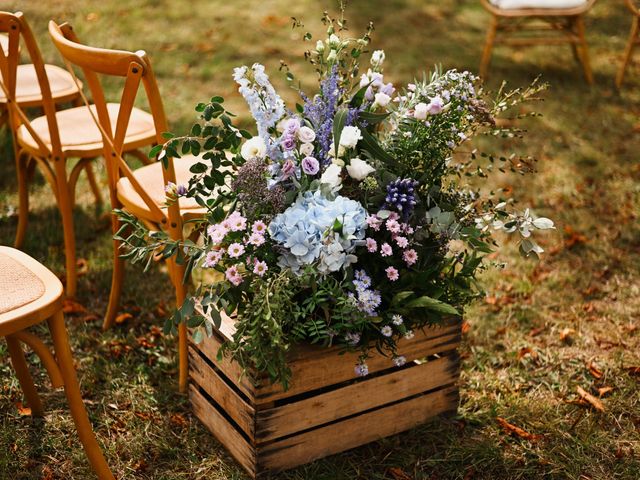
{"points": [[537, 4], [28, 93], [150, 178], [80, 136], [29, 292]]}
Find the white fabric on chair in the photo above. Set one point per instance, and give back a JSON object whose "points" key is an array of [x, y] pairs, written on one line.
{"points": [[550, 4]]}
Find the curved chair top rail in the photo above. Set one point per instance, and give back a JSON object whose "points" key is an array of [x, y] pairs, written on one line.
{"points": [[100, 60], [632, 4], [538, 12]]}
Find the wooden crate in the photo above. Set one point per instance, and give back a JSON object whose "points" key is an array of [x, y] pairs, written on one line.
{"points": [[326, 409]]}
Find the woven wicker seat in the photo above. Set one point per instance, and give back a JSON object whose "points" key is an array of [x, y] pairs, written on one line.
{"points": [[18, 284], [28, 92]]}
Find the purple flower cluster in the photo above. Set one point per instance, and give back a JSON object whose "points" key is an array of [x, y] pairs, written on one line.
{"points": [[401, 196], [367, 299], [320, 112]]}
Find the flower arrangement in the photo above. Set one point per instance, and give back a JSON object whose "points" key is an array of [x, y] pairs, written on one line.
{"points": [[347, 221]]}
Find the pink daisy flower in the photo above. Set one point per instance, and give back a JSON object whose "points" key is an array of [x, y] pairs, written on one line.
{"points": [[393, 226], [372, 245], [410, 256], [402, 242], [212, 258], [374, 222], [233, 275], [238, 222], [260, 268], [386, 250], [392, 274], [259, 227], [235, 250], [256, 239]]}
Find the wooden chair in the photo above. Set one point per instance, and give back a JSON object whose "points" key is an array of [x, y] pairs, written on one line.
{"points": [[559, 26], [29, 295], [634, 39], [54, 138], [141, 192]]}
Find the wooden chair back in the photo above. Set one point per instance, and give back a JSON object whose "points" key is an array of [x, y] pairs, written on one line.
{"points": [[135, 69], [633, 6], [16, 27]]}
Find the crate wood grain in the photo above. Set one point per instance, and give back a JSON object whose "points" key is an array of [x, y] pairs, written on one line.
{"points": [[326, 409]]}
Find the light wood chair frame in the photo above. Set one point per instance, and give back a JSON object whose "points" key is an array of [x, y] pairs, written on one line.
{"points": [[14, 327], [565, 24], [136, 69], [634, 39]]}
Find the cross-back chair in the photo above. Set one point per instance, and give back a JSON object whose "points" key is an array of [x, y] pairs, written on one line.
{"points": [[30, 295], [561, 22], [634, 39], [53, 139], [141, 192]]}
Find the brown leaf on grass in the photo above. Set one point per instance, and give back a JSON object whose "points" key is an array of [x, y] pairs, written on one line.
{"points": [[524, 351], [565, 334], [91, 317], [118, 347], [465, 327], [602, 391], [178, 420], [471, 472], [71, 307], [593, 401], [83, 266], [23, 410], [46, 473], [141, 465], [399, 474], [630, 328], [160, 311], [92, 17], [572, 237], [145, 342], [511, 429], [595, 371], [534, 332], [123, 317], [634, 371]]}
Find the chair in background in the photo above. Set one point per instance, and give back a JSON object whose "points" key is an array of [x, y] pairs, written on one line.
{"points": [[30, 295], [56, 137], [140, 192], [634, 39], [562, 23]]}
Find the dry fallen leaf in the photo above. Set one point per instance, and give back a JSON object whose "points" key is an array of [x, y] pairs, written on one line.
{"points": [[399, 474], [595, 371], [123, 317], [593, 401], [635, 371], [602, 391], [71, 307], [83, 266], [524, 351], [466, 327], [22, 410], [178, 420], [536, 331], [517, 431], [565, 334]]}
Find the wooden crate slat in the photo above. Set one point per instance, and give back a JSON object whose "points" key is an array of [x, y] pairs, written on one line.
{"points": [[209, 348], [204, 376], [223, 431], [356, 431], [331, 368], [357, 397]]}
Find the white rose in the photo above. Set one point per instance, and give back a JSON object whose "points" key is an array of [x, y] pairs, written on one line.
{"points": [[338, 161], [359, 169], [377, 58], [253, 148], [350, 136], [331, 175], [306, 135], [341, 150], [306, 149], [334, 40], [421, 111], [382, 99]]}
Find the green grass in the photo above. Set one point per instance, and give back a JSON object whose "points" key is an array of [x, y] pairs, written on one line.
{"points": [[588, 181]]}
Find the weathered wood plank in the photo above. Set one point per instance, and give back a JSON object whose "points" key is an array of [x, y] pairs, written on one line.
{"points": [[236, 407], [356, 431], [324, 370], [225, 433], [357, 397]]}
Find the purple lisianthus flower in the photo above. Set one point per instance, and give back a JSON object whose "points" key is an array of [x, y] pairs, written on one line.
{"points": [[310, 165], [288, 168], [292, 126], [288, 143]]}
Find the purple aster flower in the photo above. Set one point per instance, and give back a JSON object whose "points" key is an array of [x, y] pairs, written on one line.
{"points": [[399, 361], [362, 370]]}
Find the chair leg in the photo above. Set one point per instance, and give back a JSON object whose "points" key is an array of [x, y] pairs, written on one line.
{"points": [[488, 47], [93, 183], [117, 278], [584, 50], [628, 52], [177, 273], [66, 211], [23, 199], [24, 377], [74, 398]]}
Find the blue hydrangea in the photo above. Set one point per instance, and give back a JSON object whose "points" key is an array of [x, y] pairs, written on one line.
{"points": [[316, 230]]}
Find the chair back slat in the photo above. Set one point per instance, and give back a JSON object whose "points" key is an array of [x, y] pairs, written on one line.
{"points": [[136, 69], [17, 28]]}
